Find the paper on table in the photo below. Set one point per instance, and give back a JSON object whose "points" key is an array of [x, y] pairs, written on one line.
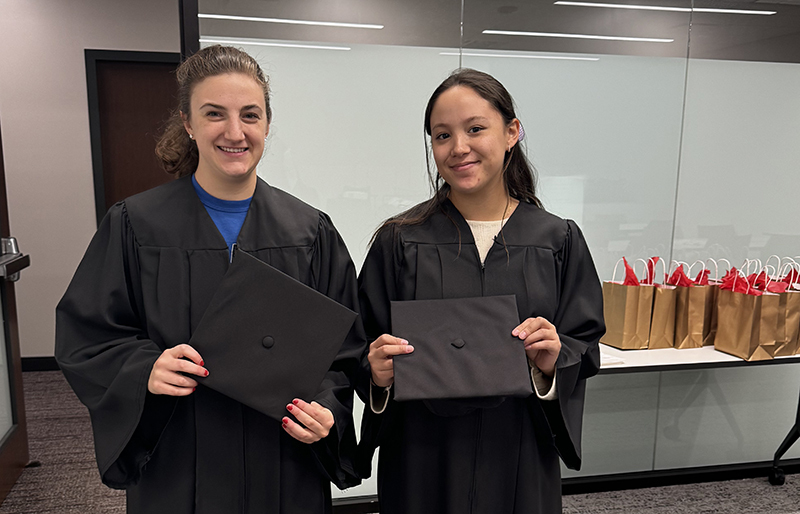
{"points": [[610, 360]]}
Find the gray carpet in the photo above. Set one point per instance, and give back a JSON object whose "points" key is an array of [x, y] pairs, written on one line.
{"points": [[60, 437], [67, 481]]}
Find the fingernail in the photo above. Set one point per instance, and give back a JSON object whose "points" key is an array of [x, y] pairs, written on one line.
{"points": [[409, 349], [295, 401], [206, 372], [285, 421], [202, 363], [289, 407], [515, 332], [523, 335], [403, 341], [194, 389]]}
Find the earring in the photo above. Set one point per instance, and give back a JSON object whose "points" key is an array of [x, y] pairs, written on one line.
{"points": [[191, 137]]}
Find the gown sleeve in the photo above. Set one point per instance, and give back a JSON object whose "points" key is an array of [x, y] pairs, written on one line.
{"points": [[335, 277], [377, 288], [579, 322], [106, 356]]}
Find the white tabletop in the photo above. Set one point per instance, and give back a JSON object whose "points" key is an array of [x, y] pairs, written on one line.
{"points": [[640, 360]]}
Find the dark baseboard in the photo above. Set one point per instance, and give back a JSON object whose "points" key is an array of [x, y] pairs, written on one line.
{"points": [[39, 364], [662, 478]]}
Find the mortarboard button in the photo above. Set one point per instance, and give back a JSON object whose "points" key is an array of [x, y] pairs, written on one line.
{"points": [[268, 342], [458, 343]]}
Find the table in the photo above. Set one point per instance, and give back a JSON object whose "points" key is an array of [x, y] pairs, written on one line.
{"points": [[678, 410]]}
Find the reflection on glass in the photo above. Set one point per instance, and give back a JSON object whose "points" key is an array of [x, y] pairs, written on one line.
{"points": [[739, 165], [574, 27]]}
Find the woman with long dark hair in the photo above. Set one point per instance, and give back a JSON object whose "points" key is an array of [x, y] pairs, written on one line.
{"points": [[148, 276], [483, 233]]}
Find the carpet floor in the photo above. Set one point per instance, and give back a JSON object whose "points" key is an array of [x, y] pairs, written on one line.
{"points": [[67, 481]]}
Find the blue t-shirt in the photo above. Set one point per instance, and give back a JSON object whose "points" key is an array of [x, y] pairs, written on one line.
{"points": [[228, 215]]}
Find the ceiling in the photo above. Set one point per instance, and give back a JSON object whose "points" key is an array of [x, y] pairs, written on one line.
{"points": [[437, 23]]}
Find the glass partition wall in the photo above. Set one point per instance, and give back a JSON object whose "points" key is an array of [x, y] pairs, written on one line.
{"points": [[663, 127]]}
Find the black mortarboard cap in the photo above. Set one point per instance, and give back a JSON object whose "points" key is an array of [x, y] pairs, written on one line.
{"points": [[267, 338], [463, 348]]}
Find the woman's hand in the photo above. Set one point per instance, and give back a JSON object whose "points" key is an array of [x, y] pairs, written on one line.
{"points": [[166, 377], [316, 421], [380, 356], [542, 344]]}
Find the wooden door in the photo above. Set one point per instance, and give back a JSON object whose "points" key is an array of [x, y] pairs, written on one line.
{"points": [[131, 95]]}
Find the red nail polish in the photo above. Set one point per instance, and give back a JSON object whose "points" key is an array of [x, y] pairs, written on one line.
{"points": [[295, 402], [289, 407], [202, 363], [194, 389], [285, 421], [206, 372]]}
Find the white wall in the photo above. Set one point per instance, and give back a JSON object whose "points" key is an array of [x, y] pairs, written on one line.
{"points": [[45, 127]]}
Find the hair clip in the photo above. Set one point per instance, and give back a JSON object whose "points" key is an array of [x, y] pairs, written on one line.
{"points": [[521, 133]]}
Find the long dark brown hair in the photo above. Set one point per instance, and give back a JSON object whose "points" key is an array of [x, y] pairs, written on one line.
{"points": [[518, 173], [178, 153]]}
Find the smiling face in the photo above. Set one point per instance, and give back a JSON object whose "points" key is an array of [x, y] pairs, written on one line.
{"points": [[469, 139], [228, 121]]}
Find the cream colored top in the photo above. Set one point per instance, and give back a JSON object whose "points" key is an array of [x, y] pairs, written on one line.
{"points": [[484, 233]]}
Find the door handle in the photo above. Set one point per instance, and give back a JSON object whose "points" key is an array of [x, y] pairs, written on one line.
{"points": [[11, 260]]}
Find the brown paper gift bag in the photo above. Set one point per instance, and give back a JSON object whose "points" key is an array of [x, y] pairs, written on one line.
{"points": [[662, 323], [690, 316], [627, 311], [788, 331], [789, 309], [747, 324], [710, 323], [690, 310], [627, 307]]}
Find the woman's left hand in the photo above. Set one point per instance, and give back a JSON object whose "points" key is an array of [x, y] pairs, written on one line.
{"points": [[316, 421], [542, 344]]}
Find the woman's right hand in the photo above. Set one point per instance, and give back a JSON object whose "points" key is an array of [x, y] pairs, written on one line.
{"points": [[380, 356], [166, 376]]}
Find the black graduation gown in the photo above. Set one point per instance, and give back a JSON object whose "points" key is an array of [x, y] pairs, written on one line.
{"points": [[457, 457], [143, 285]]}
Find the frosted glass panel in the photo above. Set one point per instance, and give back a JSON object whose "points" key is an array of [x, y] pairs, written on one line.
{"points": [[724, 416], [6, 411], [619, 424], [740, 171]]}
